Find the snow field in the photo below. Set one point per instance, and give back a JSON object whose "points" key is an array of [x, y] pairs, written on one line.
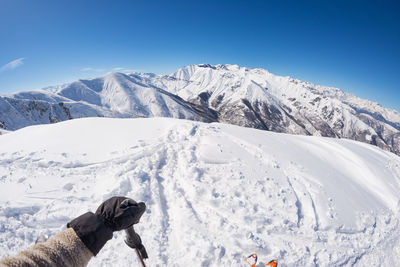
{"points": [[215, 193]]}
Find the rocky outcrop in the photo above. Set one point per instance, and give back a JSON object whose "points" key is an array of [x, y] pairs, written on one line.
{"points": [[225, 93]]}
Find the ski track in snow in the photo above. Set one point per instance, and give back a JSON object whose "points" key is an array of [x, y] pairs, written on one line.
{"points": [[215, 194]]}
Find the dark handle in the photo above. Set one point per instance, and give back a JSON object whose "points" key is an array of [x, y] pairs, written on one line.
{"points": [[133, 240]]}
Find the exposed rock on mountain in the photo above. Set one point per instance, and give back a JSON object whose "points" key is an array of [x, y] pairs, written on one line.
{"points": [[226, 93]]}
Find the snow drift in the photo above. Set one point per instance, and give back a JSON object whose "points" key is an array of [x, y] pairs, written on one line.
{"points": [[215, 193]]}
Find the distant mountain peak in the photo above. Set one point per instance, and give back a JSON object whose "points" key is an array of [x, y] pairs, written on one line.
{"points": [[250, 97]]}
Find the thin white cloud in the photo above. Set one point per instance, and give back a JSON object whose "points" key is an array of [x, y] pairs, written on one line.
{"points": [[93, 69], [124, 70], [12, 65], [118, 69]]}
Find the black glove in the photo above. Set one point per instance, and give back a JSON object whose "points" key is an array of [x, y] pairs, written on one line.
{"points": [[114, 214]]}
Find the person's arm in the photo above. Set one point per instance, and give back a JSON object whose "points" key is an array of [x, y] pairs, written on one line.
{"points": [[84, 238], [63, 249]]}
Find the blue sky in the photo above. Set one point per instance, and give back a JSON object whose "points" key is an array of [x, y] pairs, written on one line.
{"points": [[353, 45]]}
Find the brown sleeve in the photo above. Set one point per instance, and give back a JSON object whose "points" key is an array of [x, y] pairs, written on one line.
{"points": [[63, 249]]}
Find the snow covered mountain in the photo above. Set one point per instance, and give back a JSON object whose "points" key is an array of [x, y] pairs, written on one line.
{"points": [[258, 99], [215, 192], [114, 95], [225, 93]]}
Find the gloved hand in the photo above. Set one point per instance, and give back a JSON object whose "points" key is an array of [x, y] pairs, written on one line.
{"points": [[114, 214]]}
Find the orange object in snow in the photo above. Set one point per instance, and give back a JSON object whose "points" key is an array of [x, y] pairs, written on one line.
{"points": [[251, 260], [273, 263]]}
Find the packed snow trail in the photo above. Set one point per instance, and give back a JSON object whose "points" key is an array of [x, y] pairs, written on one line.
{"points": [[215, 193]]}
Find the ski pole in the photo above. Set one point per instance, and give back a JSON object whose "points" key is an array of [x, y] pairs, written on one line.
{"points": [[134, 241]]}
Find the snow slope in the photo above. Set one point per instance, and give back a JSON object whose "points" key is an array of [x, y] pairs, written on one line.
{"points": [[259, 99], [112, 95], [230, 94], [215, 193]]}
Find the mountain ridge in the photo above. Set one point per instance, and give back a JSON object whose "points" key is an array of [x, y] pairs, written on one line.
{"points": [[249, 97]]}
